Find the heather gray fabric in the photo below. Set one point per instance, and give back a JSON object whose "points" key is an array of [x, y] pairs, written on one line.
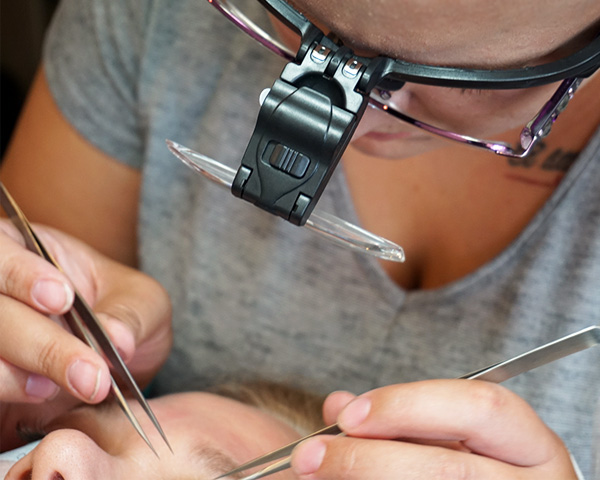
{"points": [[256, 297]]}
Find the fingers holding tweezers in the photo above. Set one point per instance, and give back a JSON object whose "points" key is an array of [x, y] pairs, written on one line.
{"points": [[37, 355], [495, 373], [334, 404], [135, 310], [27, 277], [435, 429], [34, 349], [82, 320]]}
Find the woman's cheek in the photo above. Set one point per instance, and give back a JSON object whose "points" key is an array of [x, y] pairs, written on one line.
{"points": [[478, 113]]}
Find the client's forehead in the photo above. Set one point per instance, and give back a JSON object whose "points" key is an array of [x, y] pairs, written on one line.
{"points": [[216, 433], [470, 31], [236, 426]]}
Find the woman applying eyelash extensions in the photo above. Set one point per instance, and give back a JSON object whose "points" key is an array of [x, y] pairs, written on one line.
{"points": [[466, 133]]}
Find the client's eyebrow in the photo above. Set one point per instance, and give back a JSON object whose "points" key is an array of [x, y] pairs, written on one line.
{"points": [[212, 460]]}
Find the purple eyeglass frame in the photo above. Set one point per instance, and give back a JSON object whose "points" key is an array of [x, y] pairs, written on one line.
{"points": [[538, 128]]}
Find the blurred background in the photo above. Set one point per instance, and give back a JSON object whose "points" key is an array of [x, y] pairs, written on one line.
{"points": [[22, 27]]}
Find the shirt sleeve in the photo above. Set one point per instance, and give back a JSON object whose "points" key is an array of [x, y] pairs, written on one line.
{"points": [[92, 58]]}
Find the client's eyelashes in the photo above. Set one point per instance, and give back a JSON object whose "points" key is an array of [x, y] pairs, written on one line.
{"points": [[29, 433], [471, 91]]}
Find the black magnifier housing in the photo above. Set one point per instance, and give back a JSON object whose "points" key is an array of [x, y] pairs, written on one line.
{"points": [[307, 118]]}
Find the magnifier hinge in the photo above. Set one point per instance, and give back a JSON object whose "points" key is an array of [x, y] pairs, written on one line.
{"points": [[304, 124]]}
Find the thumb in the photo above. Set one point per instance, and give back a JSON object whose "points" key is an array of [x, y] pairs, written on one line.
{"points": [[334, 404], [136, 312]]}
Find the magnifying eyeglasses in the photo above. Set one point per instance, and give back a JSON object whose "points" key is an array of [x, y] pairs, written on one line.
{"points": [[308, 116]]}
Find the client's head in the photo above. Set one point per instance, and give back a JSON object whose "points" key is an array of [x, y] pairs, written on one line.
{"points": [[210, 434]]}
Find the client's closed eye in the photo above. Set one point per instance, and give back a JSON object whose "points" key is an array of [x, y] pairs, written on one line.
{"points": [[30, 433]]}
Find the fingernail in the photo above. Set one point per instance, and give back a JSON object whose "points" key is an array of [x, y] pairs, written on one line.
{"points": [[355, 413], [84, 378], [52, 295], [41, 387], [308, 456]]}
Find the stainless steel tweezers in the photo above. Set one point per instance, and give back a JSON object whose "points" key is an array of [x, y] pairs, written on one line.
{"points": [[84, 325], [496, 373]]}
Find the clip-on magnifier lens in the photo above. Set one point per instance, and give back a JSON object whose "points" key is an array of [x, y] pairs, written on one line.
{"points": [[329, 226]]}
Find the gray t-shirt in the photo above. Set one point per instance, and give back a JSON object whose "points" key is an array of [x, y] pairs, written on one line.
{"points": [[257, 297]]}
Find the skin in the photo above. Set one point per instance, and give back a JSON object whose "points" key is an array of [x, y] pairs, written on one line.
{"points": [[83, 444], [434, 199], [446, 429]]}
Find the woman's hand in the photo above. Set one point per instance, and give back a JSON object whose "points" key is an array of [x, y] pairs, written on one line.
{"points": [[38, 357], [450, 429]]}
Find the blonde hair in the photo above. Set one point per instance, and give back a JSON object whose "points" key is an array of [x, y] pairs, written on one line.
{"points": [[298, 408]]}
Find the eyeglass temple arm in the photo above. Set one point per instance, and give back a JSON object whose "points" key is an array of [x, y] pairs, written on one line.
{"points": [[582, 63]]}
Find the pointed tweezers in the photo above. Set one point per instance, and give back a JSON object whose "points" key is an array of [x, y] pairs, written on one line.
{"points": [[495, 373], [84, 324]]}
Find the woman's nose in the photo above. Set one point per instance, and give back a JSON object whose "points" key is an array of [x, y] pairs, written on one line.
{"points": [[65, 455]]}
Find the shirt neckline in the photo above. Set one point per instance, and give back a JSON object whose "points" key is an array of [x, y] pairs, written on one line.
{"points": [[345, 208]]}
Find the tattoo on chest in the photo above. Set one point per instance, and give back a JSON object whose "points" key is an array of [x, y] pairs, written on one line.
{"points": [[557, 160]]}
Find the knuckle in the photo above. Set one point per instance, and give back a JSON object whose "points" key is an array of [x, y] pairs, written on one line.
{"points": [[348, 460], [10, 275], [446, 467], [488, 398], [130, 317], [49, 357]]}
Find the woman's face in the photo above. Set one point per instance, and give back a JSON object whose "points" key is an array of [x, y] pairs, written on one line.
{"points": [[483, 34], [209, 436]]}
